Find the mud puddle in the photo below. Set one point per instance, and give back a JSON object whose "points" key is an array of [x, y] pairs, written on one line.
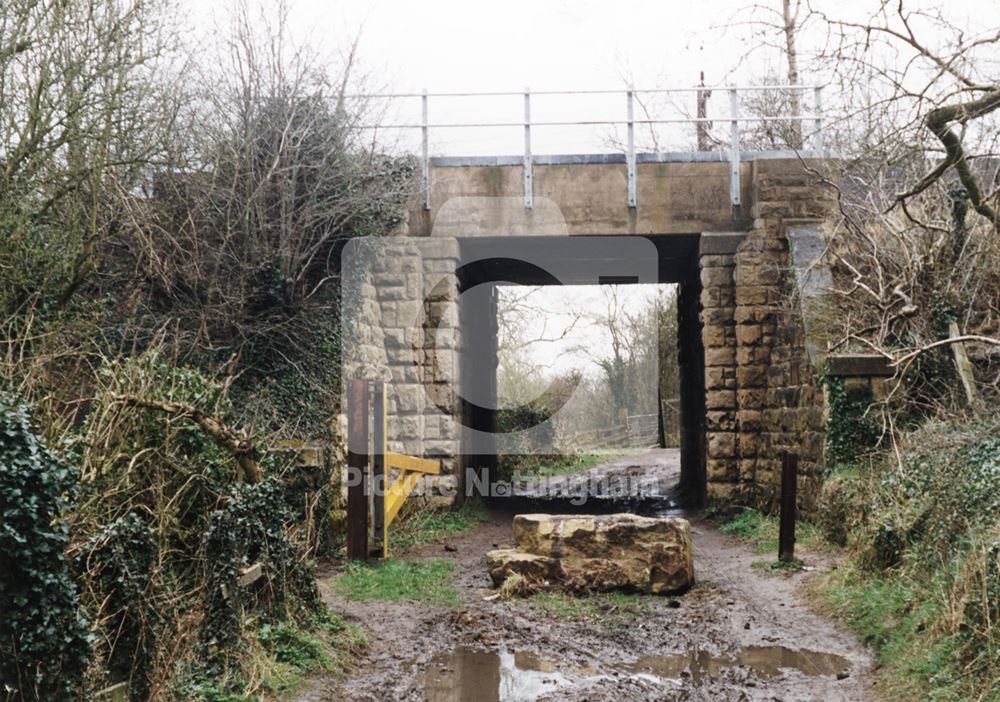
{"points": [[504, 676]]}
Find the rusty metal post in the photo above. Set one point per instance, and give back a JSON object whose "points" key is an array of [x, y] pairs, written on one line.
{"points": [[789, 490], [357, 465], [379, 536]]}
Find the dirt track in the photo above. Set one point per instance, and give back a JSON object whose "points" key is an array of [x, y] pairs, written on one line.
{"points": [[742, 633]]}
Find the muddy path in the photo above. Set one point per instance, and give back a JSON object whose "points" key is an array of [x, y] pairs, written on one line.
{"points": [[742, 633]]}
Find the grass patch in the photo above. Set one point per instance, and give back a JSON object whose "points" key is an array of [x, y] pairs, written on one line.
{"points": [[923, 582], [328, 645], [551, 465], [748, 524], [607, 613], [280, 657], [897, 617], [420, 526], [761, 531], [777, 566], [565, 607], [293, 653], [394, 581], [566, 464]]}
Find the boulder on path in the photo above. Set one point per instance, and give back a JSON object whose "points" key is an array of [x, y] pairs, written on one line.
{"points": [[535, 569], [595, 553]]}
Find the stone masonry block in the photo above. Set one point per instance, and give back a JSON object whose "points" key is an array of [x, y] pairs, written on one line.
{"points": [[720, 399], [721, 471], [720, 420], [751, 376], [748, 334], [721, 444], [716, 277], [716, 335], [723, 356]]}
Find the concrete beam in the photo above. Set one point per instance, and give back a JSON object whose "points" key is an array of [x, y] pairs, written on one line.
{"points": [[859, 365], [720, 243], [588, 196]]}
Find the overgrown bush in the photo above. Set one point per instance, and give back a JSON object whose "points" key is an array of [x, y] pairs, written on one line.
{"points": [[842, 506], [525, 455], [946, 489], [525, 417], [166, 529], [247, 529], [118, 563], [850, 431], [43, 634], [923, 583], [170, 261]]}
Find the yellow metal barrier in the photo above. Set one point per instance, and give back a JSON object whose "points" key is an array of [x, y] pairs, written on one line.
{"points": [[410, 469], [386, 499]]}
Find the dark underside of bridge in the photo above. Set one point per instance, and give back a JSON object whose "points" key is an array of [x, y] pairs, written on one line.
{"points": [[580, 261]]}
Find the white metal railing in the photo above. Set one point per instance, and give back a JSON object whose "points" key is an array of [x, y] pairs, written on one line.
{"points": [[735, 119]]}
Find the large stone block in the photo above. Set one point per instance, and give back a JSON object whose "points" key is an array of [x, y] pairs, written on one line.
{"points": [[599, 552], [751, 376], [753, 355], [758, 275], [715, 261], [750, 420], [539, 570], [408, 398], [716, 335], [723, 296], [750, 399], [717, 316], [753, 314], [723, 493]]}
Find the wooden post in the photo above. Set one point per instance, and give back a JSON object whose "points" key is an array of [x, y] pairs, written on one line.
{"points": [[789, 490], [380, 543], [963, 364], [357, 461]]}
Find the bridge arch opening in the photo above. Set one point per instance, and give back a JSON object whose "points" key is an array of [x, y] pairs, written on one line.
{"points": [[493, 262]]}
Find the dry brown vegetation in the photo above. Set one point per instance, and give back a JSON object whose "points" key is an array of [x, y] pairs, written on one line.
{"points": [[170, 224]]}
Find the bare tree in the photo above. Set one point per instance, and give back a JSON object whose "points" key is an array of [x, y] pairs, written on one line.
{"points": [[789, 21], [525, 320], [81, 121], [939, 83], [240, 235], [915, 118]]}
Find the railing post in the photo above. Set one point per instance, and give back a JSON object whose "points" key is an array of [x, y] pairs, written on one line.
{"points": [[425, 162], [789, 494], [818, 144], [703, 127], [528, 194], [734, 150], [357, 469], [630, 156], [379, 532]]}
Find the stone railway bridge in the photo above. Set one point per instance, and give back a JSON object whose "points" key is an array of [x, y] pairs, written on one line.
{"points": [[742, 238]]}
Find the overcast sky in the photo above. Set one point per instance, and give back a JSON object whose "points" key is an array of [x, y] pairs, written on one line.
{"points": [[472, 45]]}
